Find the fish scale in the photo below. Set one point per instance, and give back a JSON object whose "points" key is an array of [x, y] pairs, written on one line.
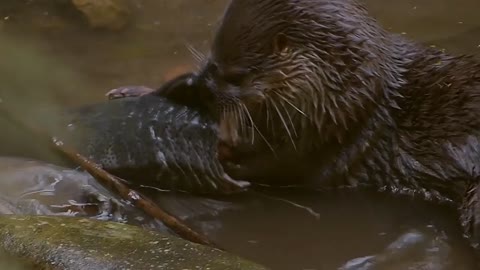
{"points": [[168, 147]]}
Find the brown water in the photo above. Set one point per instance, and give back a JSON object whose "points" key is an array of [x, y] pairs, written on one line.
{"points": [[267, 230], [292, 229]]}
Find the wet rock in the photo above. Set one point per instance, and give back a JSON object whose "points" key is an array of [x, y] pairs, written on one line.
{"points": [[73, 243], [412, 250], [30, 187], [108, 14]]}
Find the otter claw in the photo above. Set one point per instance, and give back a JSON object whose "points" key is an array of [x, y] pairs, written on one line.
{"points": [[239, 183], [236, 171], [128, 91]]}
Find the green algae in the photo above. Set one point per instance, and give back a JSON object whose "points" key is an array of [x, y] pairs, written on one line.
{"points": [[77, 243]]}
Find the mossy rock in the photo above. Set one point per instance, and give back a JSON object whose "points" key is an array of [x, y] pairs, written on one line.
{"points": [[76, 243]]}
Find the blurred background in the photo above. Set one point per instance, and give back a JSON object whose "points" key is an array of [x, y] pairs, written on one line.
{"points": [[108, 43]]}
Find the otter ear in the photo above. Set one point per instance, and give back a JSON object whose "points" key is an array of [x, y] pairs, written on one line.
{"points": [[280, 43]]}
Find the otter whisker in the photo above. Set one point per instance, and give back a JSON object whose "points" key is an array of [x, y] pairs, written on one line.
{"points": [[245, 109], [318, 96], [236, 119], [309, 105], [224, 117], [231, 115], [270, 102], [293, 106], [229, 121], [267, 109], [290, 119], [319, 85], [197, 55], [258, 130], [241, 119], [309, 102], [235, 116], [284, 124]]}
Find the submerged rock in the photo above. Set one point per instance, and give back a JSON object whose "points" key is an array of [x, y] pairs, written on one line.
{"points": [[75, 243], [108, 14], [413, 250]]}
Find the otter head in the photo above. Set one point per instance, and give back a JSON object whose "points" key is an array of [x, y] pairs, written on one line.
{"points": [[295, 73]]}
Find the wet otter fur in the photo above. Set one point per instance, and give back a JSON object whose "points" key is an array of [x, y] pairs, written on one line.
{"points": [[321, 93]]}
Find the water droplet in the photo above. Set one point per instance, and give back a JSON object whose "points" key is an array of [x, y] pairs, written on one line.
{"points": [[57, 141]]}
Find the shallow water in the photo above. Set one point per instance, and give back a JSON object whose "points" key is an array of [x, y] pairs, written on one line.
{"points": [[292, 229], [266, 230]]}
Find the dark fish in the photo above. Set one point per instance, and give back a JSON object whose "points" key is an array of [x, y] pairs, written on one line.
{"points": [[151, 140]]}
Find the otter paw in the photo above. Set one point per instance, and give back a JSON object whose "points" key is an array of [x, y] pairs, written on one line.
{"points": [[128, 91]]}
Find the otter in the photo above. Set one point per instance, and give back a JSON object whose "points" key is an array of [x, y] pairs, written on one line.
{"points": [[317, 93]]}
